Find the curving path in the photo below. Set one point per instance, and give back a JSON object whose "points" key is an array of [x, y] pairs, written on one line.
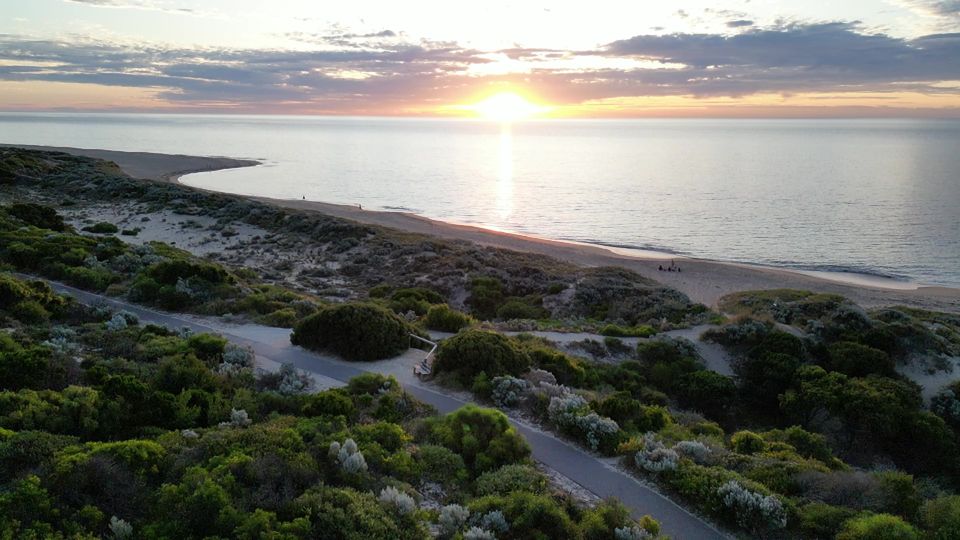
{"points": [[272, 348]]}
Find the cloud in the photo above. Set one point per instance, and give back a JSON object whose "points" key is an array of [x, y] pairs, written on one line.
{"points": [[383, 71], [739, 23], [148, 5], [936, 8]]}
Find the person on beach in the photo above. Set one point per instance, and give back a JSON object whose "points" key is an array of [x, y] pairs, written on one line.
{"points": [[660, 268]]}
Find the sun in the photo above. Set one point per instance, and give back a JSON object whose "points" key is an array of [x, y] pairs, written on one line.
{"points": [[506, 107]]}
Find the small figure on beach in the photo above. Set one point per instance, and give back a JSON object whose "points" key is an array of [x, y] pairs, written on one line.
{"points": [[304, 197], [360, 206], [660, 268]]}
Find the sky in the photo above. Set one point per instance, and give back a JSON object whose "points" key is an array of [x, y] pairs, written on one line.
{"points": [[627, 58]]}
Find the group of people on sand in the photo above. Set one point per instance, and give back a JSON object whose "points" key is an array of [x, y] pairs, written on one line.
{"points": [[672, 268]]}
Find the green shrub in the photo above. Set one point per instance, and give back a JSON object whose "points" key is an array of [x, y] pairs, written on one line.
{"points": [[102, 228], [706, 391], [483, 437], [631, 414], [440, 464], [602, 521], [747, 443], [88, 278], [471, 352], [614, 330], [42, 217], [486, 295], [565, 368], [171, 271], [941, 517], [443, 318], [878, 527], [329, 403], [281, 318], [208, 347], [858, 360], [361, 332], [518, 309], [530, 516], [509, 479], [821, 520]]}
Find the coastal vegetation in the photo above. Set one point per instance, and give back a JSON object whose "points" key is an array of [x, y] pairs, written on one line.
{"points": [[113, 428], [344, 261], [817, 435], [819, 432]]}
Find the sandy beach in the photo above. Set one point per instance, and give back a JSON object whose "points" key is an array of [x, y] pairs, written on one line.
{"points": [[704, 281]]}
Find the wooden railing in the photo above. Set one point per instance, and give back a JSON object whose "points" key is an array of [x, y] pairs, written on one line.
{"points": [[425, 367]]}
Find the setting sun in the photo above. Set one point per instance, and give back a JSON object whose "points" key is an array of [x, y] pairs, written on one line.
{"points": [[506, 107]]}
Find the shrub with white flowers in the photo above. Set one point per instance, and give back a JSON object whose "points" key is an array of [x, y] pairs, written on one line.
{"points": [[348, 456], [293, 381], [452, 518], [120, 529], [236, 360], [397, 500], [632, 532], [695, 450], [596, 428], [753, 511], [127, 263], [564, 410], [62, 340], [121, 320], [655, 457], [476, 533], [494, 521], [192, 287], [570, 412], [238, 419], [508, 391]]}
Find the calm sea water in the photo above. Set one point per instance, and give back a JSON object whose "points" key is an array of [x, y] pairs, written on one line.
{"points": [[871, 196]]}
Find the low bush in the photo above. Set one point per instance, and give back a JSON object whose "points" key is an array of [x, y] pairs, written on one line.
{"points": [[858, 360], [747, 442], [102, 228], [878, 527], [471, 352], [519, 309], [362, 332], [483, 437], [614, 330], [443, 318], [509, 479], [41, 217]]}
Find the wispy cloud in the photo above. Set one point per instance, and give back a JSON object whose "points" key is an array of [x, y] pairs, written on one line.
{"points": [[946, 12], [385, 71], [149, 5]]}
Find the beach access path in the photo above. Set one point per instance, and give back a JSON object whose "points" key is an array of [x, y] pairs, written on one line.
{"points": [[272, 348]]}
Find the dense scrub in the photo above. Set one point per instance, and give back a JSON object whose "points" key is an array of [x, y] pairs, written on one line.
{"points": [[354, 331], [34, 239], [114, 429], [817, 435]]}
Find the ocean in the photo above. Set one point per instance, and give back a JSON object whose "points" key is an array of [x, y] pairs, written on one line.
{"points": [[878, 196]]}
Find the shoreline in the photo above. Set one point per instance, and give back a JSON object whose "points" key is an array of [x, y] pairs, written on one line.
{"points": [[703, 280]]}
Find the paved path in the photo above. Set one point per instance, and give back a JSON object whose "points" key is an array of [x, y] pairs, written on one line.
{"points": [[561, 456]]}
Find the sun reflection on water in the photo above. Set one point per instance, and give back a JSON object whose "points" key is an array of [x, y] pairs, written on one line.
{"points": [[505, 177]]}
